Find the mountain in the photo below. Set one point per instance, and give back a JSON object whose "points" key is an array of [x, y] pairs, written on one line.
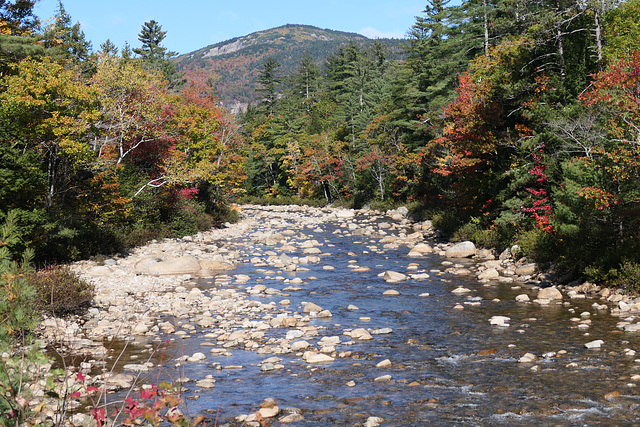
{"points": [[232, 66]]}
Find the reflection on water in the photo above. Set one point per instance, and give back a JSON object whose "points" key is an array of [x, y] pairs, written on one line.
{"points": [[449, 367]]}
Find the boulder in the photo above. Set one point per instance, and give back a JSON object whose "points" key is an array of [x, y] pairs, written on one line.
{"points": [[300, 345], [99, 270], [206, 383], [489, 274], [291, 418], [402, 210], [394, 277], [345, 213], [594, 344], [528, 358], [312, 251], [500, 321], [310, 307], [312, 357], [386, 363], [361, 334], [176, 266], [527, 269], [122, 381], [420, 249], [144, 265], [197, 357], [373, 422], [461, 250], [269, 411], [215, 265], [551, 293]]}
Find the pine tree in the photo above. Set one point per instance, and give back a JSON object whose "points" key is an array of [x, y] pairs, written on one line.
{"points": [[151, 37], [17, 18], [108, 48], [155, 56], [269, 81], [65, 41], [433, 56], [306, 77]]}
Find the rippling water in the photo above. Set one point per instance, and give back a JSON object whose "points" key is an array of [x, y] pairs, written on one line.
{"points": [[450, 367]]}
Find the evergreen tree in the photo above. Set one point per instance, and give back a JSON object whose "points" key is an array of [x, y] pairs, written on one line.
{"points": [[306, 77], [65, 41], [151, 37], [17, 18], [17, 25], [430, 57], [356, 83], [155, 56], [269, 81], [126, 52], [108, 48]]}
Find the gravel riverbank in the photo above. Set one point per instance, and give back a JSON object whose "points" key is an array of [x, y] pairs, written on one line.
{"points": [[152, 294]]}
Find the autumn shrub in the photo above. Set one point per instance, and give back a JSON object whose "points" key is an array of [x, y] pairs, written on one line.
{"points": [[188, 217], [382, 206], [224, 213], [537, 245], [467, 231], [59, 291], [446, 221], [627, 277], [494, 236]]}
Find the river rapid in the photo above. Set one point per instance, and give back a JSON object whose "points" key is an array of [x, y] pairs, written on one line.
{"points": [[429, 353]]}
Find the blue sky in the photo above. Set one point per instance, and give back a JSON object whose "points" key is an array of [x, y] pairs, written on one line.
{"points": [[191, 24]]}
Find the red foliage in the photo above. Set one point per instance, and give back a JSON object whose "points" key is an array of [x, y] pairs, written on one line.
{"points": [[470, 141], [541, 210]]}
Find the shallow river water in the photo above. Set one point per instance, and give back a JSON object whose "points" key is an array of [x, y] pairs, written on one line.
{"points": [[448, 366]]}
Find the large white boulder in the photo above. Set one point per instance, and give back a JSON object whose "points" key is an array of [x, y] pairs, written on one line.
{"points": [[461, 250], [176, 266]]}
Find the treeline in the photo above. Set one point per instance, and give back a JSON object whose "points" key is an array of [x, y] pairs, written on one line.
{"points": [[103, 150], [510, 122]]}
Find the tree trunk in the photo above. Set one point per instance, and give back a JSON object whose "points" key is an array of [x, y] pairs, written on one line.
{"points": [[598, 29], [486, 27], [560, 42]]}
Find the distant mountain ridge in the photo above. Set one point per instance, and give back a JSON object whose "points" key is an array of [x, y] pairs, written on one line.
{"points": [[232, 66]]}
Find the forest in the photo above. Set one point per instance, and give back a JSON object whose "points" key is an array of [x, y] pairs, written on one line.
{"points": [[508, 122]]}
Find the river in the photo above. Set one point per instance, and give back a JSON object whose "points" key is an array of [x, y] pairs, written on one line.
{"points": [[447, 365]]}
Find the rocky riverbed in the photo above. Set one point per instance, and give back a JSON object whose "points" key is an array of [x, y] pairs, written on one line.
{"points": [[350, 318]]}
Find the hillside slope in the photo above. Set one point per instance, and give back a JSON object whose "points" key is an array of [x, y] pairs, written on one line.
{"points": [[233, 65]]}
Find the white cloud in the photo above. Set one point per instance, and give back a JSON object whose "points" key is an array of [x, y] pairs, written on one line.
{"points": [[372, 33]]}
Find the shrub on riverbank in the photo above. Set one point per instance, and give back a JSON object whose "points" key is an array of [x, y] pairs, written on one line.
{"points": [[59, 291], [17, 314], [26, 294]]}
